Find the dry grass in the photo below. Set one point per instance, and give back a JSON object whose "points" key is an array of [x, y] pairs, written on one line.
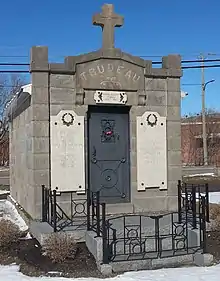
{"points": [[9, 233], [214, 210], [60, 247]]}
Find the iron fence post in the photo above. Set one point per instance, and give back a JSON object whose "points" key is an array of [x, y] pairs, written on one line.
{"points": [[207, 201], [104, 235], [193, 207], [43, 203], [98, 213], [54, 211], [204, 223], [88, 210], [179, 201], [157, 234]]}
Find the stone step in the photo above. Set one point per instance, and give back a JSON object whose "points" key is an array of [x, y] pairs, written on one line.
{"points": [[117, 209]]}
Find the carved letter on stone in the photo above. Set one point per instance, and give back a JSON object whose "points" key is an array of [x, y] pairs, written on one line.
{"points": [[151, 151], [67, 152]]}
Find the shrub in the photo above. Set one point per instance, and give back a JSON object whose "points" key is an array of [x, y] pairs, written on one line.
{"points": [[9, 233], [60, 247]]}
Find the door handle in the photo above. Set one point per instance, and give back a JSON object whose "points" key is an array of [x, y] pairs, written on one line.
{"points": [[93, 155], [94, 151]]}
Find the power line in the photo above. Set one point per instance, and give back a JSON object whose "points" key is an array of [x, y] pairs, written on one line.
{"points": [[14, 71], [14, 64], [153, 62], [201, 66], [183, 67]]}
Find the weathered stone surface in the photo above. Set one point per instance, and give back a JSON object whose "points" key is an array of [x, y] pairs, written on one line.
{"points": [[62, 96], [39, 58], [174, 98], [110, 74], [39, 95], [203, 259], [118, 267], [154, 85], [172, 261], [174, 157], [62, 81], [40, 144], [108, 20], [156, 98]]}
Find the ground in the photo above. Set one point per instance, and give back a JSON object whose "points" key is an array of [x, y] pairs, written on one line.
{"points": [[213, 245], [27, 254], [10, 273]]}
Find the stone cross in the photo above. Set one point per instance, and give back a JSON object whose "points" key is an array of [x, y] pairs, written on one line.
{"points": [[108, 20]]}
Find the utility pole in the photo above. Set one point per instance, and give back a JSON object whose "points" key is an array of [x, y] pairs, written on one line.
{"points": [[204, 134]]}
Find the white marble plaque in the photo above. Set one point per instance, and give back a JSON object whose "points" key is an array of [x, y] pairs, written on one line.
{"points": [[151, 151], [67, 152], [110, 97]]}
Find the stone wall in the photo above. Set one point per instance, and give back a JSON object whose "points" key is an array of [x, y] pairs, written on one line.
{"points": [[21, 160], [163, 96], [57, 87]]}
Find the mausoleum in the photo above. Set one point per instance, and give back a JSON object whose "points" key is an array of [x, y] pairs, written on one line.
{"points": [[103, 121]]}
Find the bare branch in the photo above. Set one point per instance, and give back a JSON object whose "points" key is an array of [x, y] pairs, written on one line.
{"points": [[9, 86]]}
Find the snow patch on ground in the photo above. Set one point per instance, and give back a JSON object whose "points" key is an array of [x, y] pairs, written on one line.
{"points": [[9, 212], [214, 197], [4, 192], [202, 175], [10, 273]]}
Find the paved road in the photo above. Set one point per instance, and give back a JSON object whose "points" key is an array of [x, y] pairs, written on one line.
{"points": [[4, 176], [214, 184]]}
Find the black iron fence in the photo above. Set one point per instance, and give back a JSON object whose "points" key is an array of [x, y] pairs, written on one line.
{"points": [[62, 211], [133, 237], [190, 201], [136, 236], [96, 213]]}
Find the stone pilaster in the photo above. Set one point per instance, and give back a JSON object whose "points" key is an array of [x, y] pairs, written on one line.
{"points": [[40, 117]]}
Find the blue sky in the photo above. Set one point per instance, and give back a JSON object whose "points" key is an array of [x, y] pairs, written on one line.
{"points": [[152, 28]]}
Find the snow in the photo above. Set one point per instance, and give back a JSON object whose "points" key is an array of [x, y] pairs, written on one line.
{"points": [[202, 175], [8, 211], [214, 197], [4, 192], [10, 273]]}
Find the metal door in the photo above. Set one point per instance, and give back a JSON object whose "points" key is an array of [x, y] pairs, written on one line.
{"points": [[108, 142]]}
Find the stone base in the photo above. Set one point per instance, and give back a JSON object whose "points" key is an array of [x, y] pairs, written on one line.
{"points": [[42, 230], [94, 244]]}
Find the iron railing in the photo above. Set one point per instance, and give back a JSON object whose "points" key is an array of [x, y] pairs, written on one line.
{"points": [[190, 199], [71, 214], [95, 212], [136, 236]]}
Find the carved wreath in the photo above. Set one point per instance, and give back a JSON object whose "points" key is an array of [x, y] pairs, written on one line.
{"points": [[152, 120], [67, 119]]}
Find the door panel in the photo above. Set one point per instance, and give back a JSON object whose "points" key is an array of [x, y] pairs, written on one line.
{"points": [[109, 164]]}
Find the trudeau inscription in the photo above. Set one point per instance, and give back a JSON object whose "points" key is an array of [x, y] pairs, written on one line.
{"points": [[108, 74]]}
